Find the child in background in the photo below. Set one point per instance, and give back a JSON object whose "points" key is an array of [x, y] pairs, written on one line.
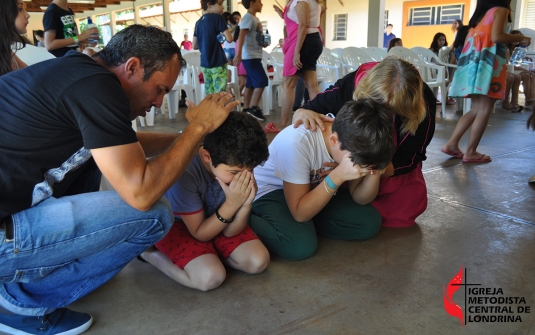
{"points": [[186, 44], [481, 74], [455, 26], [249, 51], [439, 41], [395, 42], [527, 76], [296, 186], [211, 202], [229, 46], [213, 60]]}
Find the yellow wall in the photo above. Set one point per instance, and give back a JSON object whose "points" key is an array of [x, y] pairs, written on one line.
{"points": [[422, 36]]}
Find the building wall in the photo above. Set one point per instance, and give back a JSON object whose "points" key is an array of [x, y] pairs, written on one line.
{"points": [[423, 35], [357, 11]]}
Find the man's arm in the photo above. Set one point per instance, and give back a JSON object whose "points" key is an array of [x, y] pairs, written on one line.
{"points": [[154, 144], [141, 182]]}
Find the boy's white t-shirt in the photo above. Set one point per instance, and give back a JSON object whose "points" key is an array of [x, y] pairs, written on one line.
{"points": [[314, 18], [254, 40], [296, 155]]}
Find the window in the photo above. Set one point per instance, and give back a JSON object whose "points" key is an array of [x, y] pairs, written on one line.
{"points": [[340, 27], [529, 19], [427, 16]]}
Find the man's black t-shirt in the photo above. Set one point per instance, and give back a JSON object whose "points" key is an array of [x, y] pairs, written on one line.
{"points": [[53, 113], [61, 21]]}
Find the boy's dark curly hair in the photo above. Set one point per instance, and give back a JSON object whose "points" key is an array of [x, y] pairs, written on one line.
{"points": [[365, 129], [240, 141]]}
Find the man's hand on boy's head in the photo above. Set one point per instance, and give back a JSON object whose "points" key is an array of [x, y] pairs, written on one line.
{"points": [[211, 112], [239, 189]]}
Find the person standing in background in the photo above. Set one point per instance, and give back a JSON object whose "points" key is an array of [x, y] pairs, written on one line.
{"points": [[481, 74], [301, 51], [61, 32], [249, 53], [388, 35], [39, 38], [213, 60], [186, 44]]}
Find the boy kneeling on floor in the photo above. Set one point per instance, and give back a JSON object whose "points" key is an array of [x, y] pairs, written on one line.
{"points": [[211, 202], [299, 187]]}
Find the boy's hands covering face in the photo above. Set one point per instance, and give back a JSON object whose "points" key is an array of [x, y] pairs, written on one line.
{"points": [[239, 190]]}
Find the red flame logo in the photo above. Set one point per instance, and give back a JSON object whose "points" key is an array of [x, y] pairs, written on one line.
{"points": [[451, 307]]}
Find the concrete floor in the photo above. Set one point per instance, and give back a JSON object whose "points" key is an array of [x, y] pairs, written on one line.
{"points": [[480, 217]]}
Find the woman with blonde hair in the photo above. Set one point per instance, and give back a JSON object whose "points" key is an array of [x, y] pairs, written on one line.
{"points": [[395, 83]]}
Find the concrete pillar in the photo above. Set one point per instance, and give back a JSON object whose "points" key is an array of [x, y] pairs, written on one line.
{"points": [[166, 16], [136, 15], [376, 21], [516, 13], [113, 26]]}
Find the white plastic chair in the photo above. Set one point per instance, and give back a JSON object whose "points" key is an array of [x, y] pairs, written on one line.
{"points": [[234, 83], [378, 54], [148, 118], [269, 91], [193, 60], [429, 57], [424, 69], [353, 57], [338, 51], [173, 97], [328, 69], [277, 61]]}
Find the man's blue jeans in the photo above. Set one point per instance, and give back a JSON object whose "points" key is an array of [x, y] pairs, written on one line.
{"points": [[64, 248]]}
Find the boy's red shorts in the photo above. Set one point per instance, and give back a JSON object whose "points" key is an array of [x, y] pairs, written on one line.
{"points": [[182, 248]]}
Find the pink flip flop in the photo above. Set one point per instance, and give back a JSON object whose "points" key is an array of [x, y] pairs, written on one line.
{"points": [[480, 159], [456, 154], [270, 128]]}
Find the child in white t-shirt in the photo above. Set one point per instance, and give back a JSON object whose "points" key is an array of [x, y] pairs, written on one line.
{"points": [[300, 190]]}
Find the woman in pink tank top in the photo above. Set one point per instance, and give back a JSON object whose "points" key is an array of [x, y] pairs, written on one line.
{"points": [[301, 49]]}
